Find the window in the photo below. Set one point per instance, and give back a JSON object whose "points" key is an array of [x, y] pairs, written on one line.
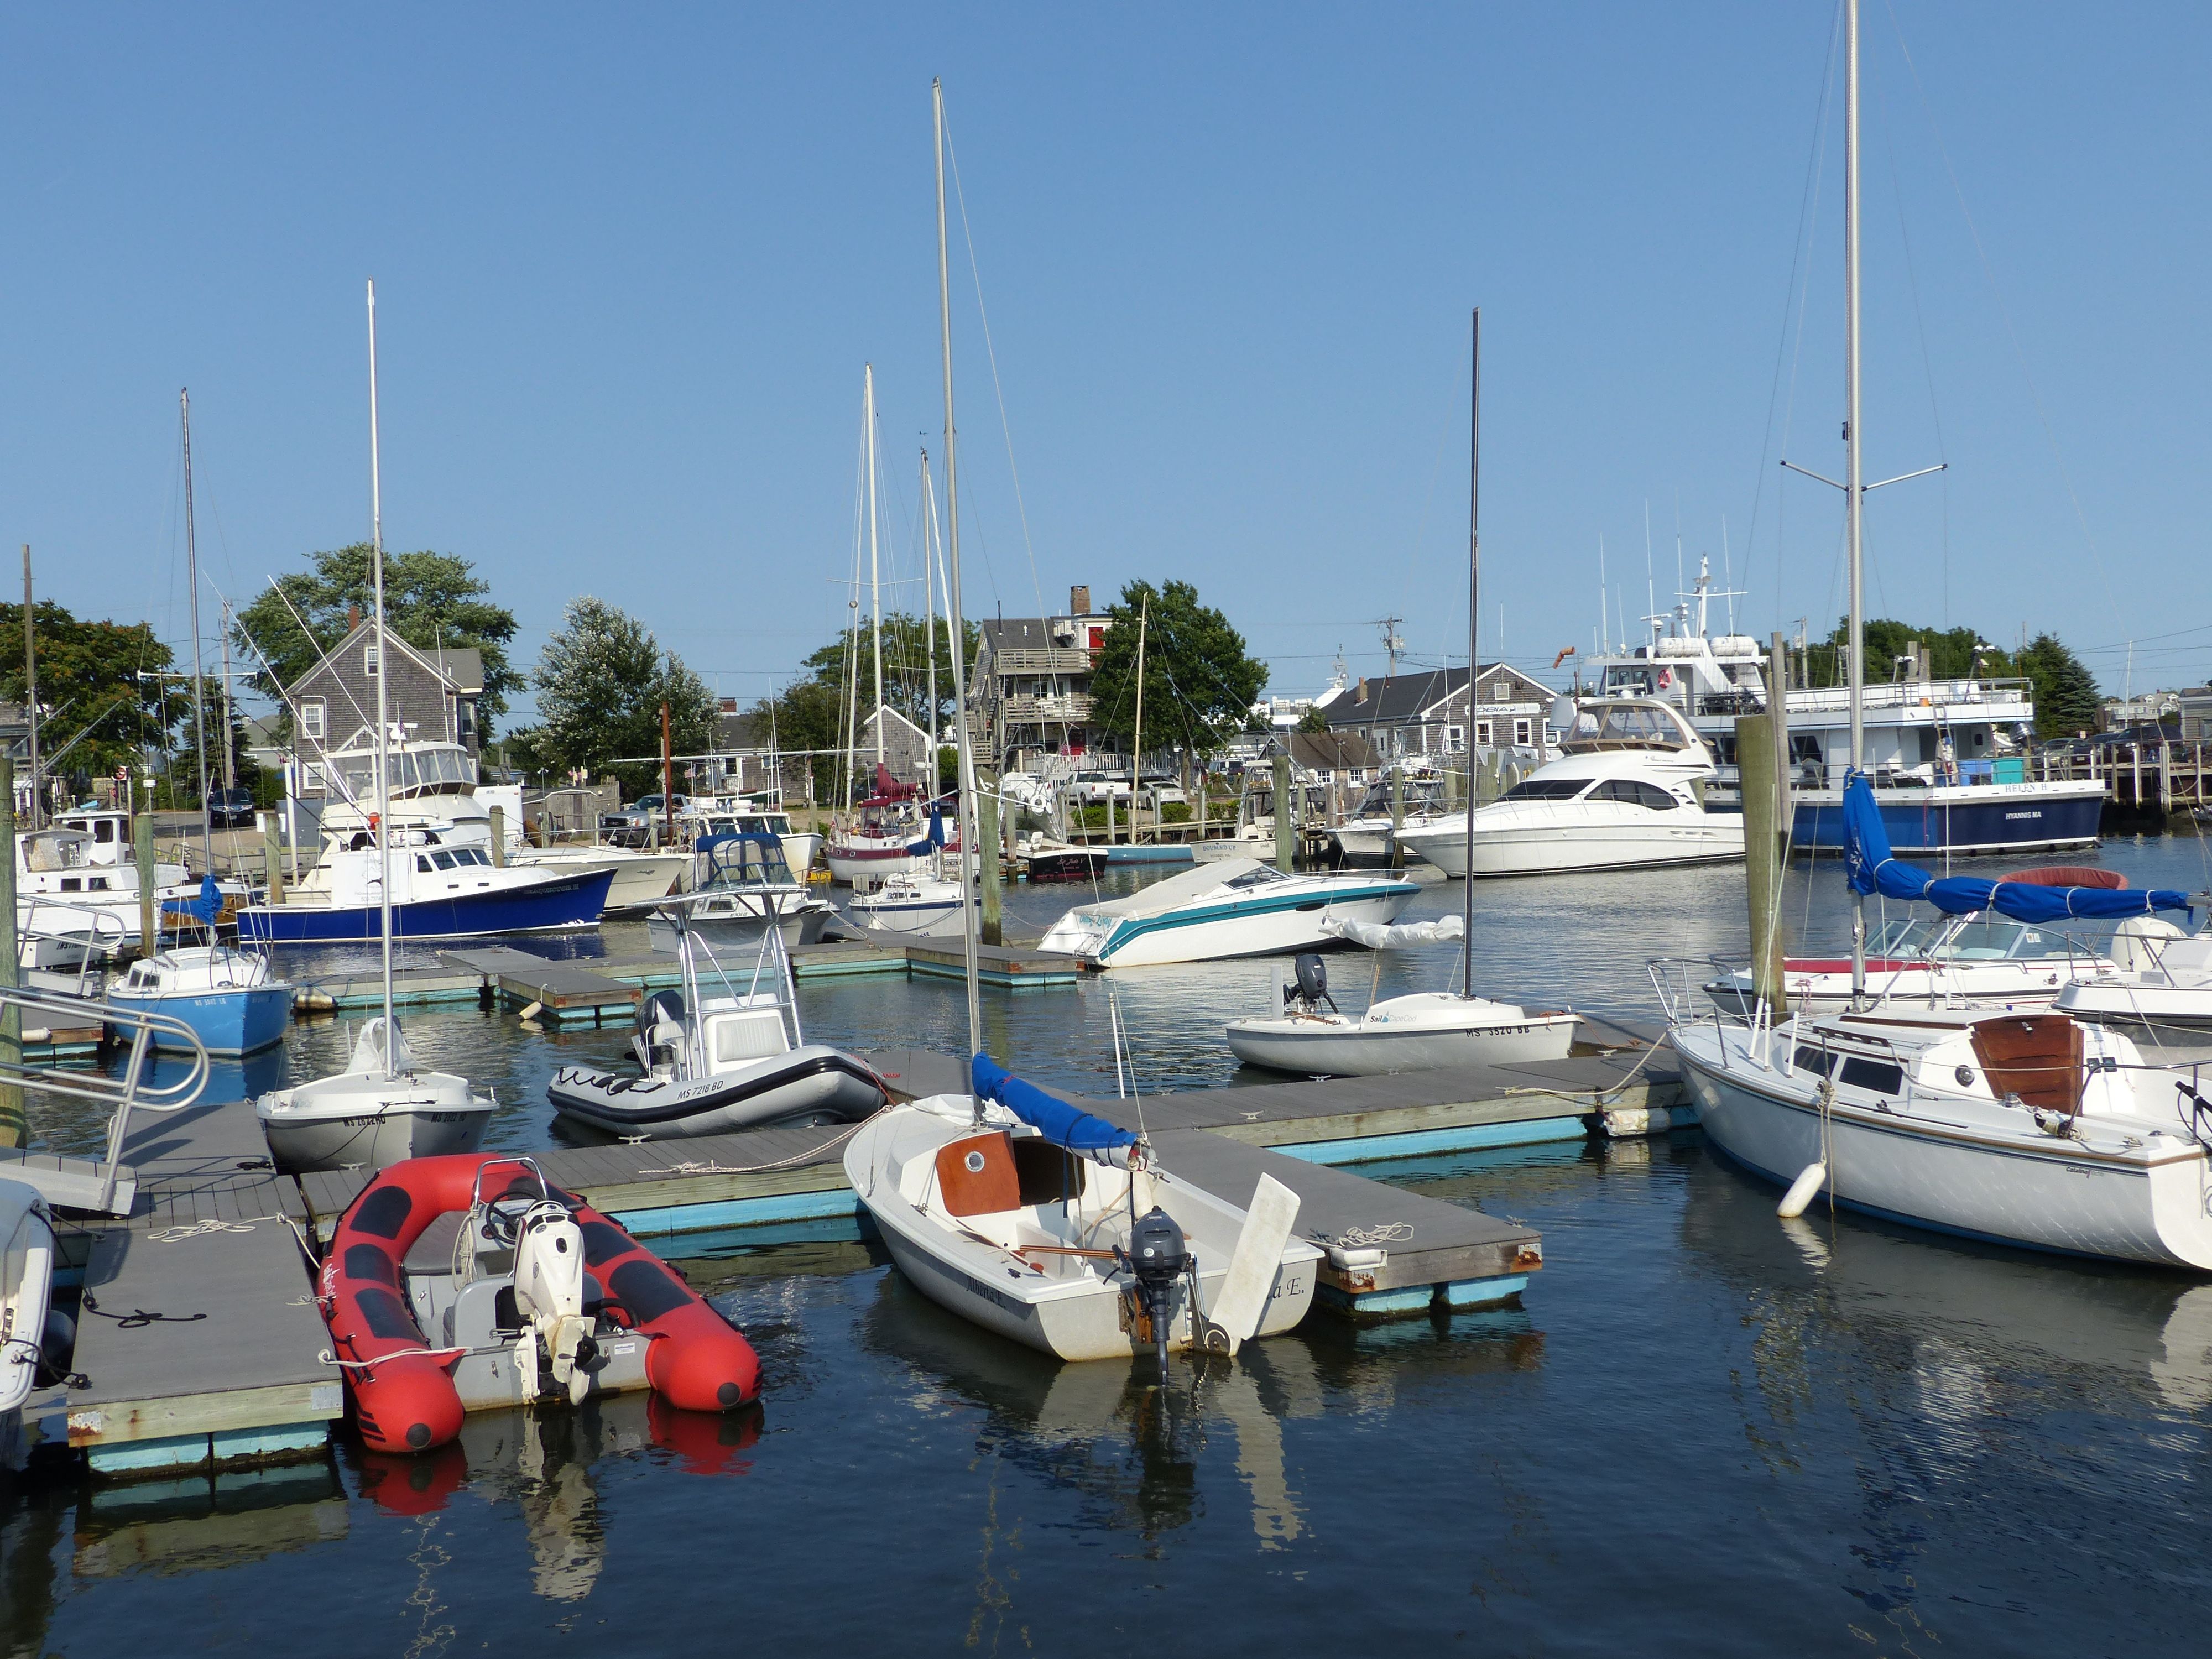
{"points": [[1545, 789], [1879, 1076], [1455, 740], [466, 720], [369, 664], [422, 863], [311, 719], [1501, 691], [443, 859], [1520, 733], [316, 781], [1482, 734], [103, 830]]}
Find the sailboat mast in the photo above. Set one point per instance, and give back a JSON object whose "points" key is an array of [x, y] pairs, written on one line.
{"points": [[875, 568], [230, 764], [383, 698], [1137, 738], [970, 838], [1853, 494], [1474, 631], [192, 580], [929, 611]]}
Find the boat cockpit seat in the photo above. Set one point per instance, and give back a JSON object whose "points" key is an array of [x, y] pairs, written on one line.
{"points": [[975, 1175], [662, 1007]]}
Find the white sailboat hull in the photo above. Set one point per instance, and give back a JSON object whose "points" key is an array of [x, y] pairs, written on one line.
{"points": [[1327, 1047], [1966, 1172]]}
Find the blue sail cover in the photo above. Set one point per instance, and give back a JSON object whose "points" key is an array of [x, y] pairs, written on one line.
{"points": [[934, 838], [1061, 1124], [204, 908], [1870, 869]]}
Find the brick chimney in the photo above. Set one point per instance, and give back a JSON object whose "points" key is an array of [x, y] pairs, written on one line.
{"points": [[1079, 600], [353, 617]]}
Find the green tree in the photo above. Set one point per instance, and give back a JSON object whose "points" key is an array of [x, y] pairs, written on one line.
{"points": [[430, 599], [98, 713], [1314, 720], [601, 681], [1951, 652], [2065, 689], [1198, 683], [809, 714]]}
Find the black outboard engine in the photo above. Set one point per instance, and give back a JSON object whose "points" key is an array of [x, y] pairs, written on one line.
{"points": [[1312, 988], [1157, 1258]]}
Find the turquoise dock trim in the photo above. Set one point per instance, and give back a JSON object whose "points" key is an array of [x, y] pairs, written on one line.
{"points": [[1425, 1143], [838, 1201], [1417, 1298]]}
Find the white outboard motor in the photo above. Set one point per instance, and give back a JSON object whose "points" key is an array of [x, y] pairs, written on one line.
{"points": [[548, 1292]]}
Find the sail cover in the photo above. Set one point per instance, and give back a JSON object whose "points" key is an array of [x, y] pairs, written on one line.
{"points": [[206, 908], [1395, 936], [1060, 1123], [933, 839], [1870, 869]]}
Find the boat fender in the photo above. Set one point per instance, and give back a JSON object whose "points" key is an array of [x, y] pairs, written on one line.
{"points": [[530, 1013], [1802, 1190]]}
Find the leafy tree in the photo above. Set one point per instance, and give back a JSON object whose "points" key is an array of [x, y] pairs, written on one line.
{"points": [[1314, 720], [1198, 683], [99, 714], [2065, 689], [601, 681], [1951, 653], [810, 715], [430, 599]]}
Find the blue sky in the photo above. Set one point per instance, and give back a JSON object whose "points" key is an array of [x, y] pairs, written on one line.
{"points": [[629, 266]]}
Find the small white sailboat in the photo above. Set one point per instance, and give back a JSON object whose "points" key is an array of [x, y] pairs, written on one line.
{"points": [[915, 906], [27, 1277], [1036, 1220], [383, 1106]]}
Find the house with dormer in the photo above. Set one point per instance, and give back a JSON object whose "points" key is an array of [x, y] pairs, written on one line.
{"points": [[1430, 714], [431, 696]]}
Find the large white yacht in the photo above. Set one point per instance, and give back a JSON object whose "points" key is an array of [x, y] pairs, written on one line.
{"points": [[1627, 790], [1948, 757]]}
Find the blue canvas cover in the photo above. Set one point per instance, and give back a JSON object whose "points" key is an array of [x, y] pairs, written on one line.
{"points": [[204, 908], [935, 837], [1869, 868], [1060, 1123]]}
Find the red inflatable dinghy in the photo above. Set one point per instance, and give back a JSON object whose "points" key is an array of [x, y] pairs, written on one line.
{"points": [[402, 1385]]}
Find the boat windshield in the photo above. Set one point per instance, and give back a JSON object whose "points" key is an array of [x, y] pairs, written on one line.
{"points": [[1546, 789], [1625, 725], [1987, 938], [1905, 938], [747, 862], [1259, 878]]}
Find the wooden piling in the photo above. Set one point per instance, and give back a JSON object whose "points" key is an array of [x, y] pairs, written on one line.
{"points": [[272, 859], [988, 852], [142, 837], [499, 837], [1286, 813], [1762, 853]]}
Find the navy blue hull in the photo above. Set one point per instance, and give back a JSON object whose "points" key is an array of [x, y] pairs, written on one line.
{"points": [[1917, 822], [567, 902]]}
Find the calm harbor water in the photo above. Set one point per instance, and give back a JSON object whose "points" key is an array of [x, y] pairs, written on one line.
{"points": [[1704, 1432]]}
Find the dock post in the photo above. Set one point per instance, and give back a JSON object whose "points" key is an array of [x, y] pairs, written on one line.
{"points": [[1762, 854], [142, 837], [272, 858], [987, 862], [1397, 814], [15, 1128], [498, 837], [1287, 825]]}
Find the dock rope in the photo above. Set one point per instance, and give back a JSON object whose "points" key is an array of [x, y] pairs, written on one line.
{"points": [[1598, 1096], [185, 1230], [138, 1318], [1361, 1238], [694, 1167]]}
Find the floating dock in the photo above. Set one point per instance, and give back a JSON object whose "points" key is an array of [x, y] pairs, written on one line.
{"points": [[201, 1346]]}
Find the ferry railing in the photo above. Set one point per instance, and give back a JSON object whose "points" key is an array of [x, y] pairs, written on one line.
{"points": [[126, 1093]]}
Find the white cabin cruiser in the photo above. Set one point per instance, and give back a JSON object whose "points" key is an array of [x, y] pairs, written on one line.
{"points": [[1626, 793], [1032, 1219], [1234, 908], [85, 863]]}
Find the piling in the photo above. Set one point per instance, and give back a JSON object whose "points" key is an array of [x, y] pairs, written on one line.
{"points": [[988, 868], [1397, 814], [1762, 769], [142, 837], [272, 857], [14, 1129], [499, 837], [1286, 824]]}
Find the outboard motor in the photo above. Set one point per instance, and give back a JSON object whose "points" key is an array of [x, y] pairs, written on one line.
{"points": [[661, 1032], [548, 1292], [1311, 990], [1157, 1257]]}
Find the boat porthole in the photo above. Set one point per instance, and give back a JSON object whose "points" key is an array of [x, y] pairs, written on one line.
{"points": [[974, 1163], [1964, 1074]]}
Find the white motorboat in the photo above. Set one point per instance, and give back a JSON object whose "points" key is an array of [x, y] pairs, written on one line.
{"points": [[1235, 908], [2159, 990], [800, 847], [917, 906], [741, 888], [2030, 1130], [638, 878], [711, 1064], [1423, 1031], [383, 1108], [27, 1277], [435, 892], [1983, 961], [70, 864], [1624, 793], [1032, 1218]]}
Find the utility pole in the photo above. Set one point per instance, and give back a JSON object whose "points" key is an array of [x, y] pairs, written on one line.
{"points": [[31, 683]]}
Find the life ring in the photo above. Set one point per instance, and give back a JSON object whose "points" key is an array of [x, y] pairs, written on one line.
{"points": [[402, 1388]]}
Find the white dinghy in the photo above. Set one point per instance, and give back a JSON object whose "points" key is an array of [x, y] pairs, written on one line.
{"points": [[1036, 1220], [27, 1278]]}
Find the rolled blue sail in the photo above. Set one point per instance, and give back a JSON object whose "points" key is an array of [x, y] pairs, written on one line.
{"points": [[204, 908], [1060, 1123], [935, 837], [1869, 868]]}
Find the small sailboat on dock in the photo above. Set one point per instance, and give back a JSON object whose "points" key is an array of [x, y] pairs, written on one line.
{"points": [[383, 1108], [27, 1278]]}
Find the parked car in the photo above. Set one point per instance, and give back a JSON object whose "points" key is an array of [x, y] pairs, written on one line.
{"points": [[230, 808], [1094, 788]]}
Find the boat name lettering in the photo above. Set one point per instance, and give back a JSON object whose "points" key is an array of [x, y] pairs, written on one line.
{"points": [[2032, 812]]}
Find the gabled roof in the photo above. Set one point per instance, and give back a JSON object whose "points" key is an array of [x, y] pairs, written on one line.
{"points": [[460, 667], [1403, 699], [1016, 634], [1332, 751]]}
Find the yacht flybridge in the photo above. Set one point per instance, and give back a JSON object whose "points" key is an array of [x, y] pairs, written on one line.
{"points": [[1625, 792], [1948, 757]]}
